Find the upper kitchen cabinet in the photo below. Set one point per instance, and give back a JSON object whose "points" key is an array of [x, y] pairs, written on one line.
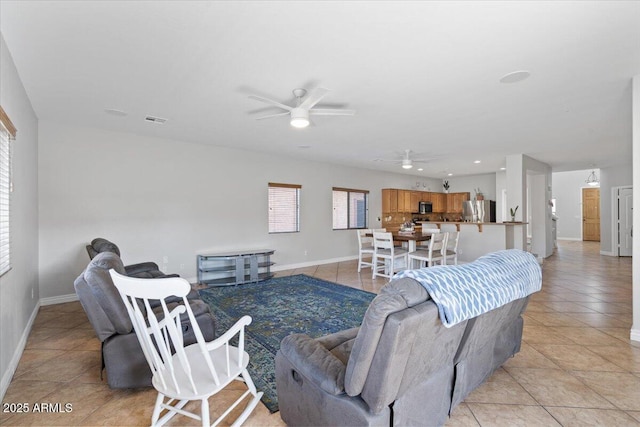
{"points": [[416, 198], [455, 200], [390, 200], [439, 202], [404, 201]]}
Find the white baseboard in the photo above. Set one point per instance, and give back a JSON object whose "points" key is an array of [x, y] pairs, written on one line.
{"points": [[608, 253], [312, 263], [61, 299], [13, 365], [575, 239], [635, 335]]}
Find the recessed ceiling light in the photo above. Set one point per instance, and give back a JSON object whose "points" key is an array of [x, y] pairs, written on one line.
{"points": [[420, 169], [476, 161], [503, 169], [449, 174], [515, 76], [114, 112]]}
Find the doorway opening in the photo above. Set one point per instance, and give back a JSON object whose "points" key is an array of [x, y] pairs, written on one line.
{"points": [[623, 218]]}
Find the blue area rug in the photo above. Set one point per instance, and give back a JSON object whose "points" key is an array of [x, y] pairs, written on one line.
{"points": [[279, 307]]}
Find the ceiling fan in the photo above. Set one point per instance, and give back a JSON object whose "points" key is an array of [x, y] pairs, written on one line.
{"points": [[407, 161], [304, 107]]}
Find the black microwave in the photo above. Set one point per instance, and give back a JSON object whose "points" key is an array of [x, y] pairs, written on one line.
{"points": [[425, 207]]}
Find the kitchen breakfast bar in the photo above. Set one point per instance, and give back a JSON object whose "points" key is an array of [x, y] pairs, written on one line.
{"points": [[480, 238]]}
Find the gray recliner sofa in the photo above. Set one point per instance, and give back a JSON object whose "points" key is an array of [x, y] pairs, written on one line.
{"points": [[122, 355], [402, 367], [144, 270]]}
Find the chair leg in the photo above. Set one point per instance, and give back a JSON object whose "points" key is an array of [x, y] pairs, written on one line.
{"points": [[157, 409], [204, 409]]}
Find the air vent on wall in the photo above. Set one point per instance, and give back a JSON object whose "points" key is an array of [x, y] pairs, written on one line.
{"points": [[157, 120]]}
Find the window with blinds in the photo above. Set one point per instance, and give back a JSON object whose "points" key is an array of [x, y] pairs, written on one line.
{"points": [[350, 208], [284, 208], [7, 133]]}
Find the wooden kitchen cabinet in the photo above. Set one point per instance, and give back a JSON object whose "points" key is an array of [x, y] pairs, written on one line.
{"points": [[455, 200], [389, 200], [404, 201], [425, 196], [439, 202], [416, 198]]}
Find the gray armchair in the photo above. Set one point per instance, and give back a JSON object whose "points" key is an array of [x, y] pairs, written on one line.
{"points": [[122, 355], [143, 270]]}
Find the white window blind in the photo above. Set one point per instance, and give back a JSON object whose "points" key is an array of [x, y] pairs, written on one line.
{"points": [[284, 208], [350, 208], [7, 133]]}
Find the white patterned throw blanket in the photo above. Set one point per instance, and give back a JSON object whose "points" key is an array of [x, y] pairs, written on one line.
{"points": [[465, 291]]}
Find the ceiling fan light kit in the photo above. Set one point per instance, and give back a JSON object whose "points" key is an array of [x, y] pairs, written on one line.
{"points": [[299, 118]]}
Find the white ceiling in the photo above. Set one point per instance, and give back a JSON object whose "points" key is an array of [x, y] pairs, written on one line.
{"points": [[422, 76]]}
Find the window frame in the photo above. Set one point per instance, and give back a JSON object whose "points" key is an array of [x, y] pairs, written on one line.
{"points": [[349, 191], [7, 135], [298, 190]]}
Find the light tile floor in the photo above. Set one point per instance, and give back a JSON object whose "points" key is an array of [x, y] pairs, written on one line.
{"points": [[577, 366]]}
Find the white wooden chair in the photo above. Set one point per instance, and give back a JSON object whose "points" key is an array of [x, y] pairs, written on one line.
{"points": [[365, 248], [434, 254], [195, 372], [451, 250], [385, 255], [428, 229]]}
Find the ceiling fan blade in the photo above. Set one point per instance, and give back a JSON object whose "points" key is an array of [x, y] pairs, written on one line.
{"points": [[314, 97], [331, 112], [273, 115], [270, 101], [387, 160]]}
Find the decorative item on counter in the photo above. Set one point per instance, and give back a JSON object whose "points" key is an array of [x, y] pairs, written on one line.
{"points": [[513, 213], [445, 184], [407, 227], [479, 195]]}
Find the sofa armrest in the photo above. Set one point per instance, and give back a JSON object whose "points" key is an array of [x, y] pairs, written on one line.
{"points": [[141, 268], [315, 362]]}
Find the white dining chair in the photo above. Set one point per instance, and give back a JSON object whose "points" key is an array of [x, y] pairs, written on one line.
{"points": [[433, 254], [365, 248], [195, 372], [385, 255], [451, 250], [430, 228]]}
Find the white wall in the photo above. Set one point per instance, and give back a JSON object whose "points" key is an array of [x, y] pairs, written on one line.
{"points": [[159, 198], [19, 286], [486, 183], [567, 190], [526, 175], [617, 176], [635, 117]]}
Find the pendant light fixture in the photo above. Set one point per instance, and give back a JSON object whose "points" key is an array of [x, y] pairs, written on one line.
{"points": [[592, 179]]}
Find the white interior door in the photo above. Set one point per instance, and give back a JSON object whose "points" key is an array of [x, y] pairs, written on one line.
{"points": [[625, 221]]}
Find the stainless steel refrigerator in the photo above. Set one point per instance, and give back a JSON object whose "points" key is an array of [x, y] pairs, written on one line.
{"points": [[479, 211]]}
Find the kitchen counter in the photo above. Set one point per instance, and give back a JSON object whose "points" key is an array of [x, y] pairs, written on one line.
{"points": [[477, 224], [480, 238]]}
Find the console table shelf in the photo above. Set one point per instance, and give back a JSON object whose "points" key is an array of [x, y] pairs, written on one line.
{"points": [[235, 268]]}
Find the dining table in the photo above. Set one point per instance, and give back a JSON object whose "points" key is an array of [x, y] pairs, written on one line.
{"points": [[411, 238]]}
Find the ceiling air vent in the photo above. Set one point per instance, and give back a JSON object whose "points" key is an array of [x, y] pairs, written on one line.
{"points": [[157, 120]]}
